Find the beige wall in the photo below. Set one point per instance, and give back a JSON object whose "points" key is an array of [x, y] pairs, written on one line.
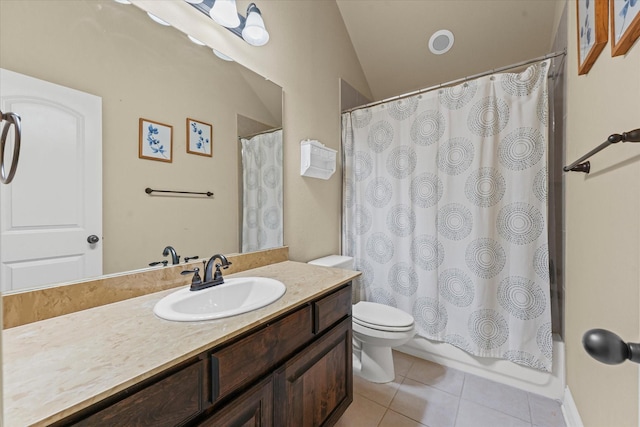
{"points": [[142, 69], [602, 231]]}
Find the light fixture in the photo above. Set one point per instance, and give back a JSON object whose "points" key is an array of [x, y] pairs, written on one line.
{"points": [[222, 56], [123, 1], [251, 29], [195, 40], [254, 31], [158, 20], [225, 13]]}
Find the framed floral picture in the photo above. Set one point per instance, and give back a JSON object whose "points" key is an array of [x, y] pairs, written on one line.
{"points": [[199, 138], [625, 25], [156, 141], [592, 32]]}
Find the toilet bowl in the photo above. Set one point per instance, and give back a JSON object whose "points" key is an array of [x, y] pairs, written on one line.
{"points": [[377, 328]]}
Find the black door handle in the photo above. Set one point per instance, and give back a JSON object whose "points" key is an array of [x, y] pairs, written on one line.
{"points": [[93, 239], [607, 347]]}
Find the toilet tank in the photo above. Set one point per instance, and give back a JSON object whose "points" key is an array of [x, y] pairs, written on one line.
{"points": [[337, 261]]}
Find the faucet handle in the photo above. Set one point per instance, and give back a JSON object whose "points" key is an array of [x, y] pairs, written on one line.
{"points": [[164, 263], [189, 258], [196, 279]]}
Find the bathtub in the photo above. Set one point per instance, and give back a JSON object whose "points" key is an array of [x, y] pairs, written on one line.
{"points": [[551, 385]]}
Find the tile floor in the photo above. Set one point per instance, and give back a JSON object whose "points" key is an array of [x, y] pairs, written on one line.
{"points": [[428, 394]]}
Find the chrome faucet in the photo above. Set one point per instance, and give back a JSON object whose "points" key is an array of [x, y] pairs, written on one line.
{"points": [[175, 258]]}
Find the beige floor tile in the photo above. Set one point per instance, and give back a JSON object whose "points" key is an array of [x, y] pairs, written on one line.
{"points": [[393, 419], [362, 413], [438, 376], [402, 362], [425, 404], [379, 393]]}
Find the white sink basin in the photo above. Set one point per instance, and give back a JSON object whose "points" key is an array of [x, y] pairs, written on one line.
{"points": [[234, 296]]}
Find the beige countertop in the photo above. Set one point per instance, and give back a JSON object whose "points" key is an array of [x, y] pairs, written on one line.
{"points": [[55, 367]]}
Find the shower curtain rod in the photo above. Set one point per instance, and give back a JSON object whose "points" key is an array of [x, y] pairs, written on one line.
{"points": [[260, 133], [462, 80]]}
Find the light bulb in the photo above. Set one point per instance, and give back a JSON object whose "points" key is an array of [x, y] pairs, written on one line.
{"points": [[254, 31], [225, 13]]}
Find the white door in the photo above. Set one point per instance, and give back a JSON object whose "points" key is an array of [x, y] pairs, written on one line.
{"points": [[55, 200]]}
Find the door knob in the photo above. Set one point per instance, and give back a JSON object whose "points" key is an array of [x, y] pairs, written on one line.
{"points": [[607, 347], [93, 239]]}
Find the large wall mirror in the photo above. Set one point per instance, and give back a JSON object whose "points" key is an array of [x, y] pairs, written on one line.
{"points": [[136, 69]]}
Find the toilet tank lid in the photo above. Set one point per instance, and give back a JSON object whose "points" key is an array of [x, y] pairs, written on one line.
{"points": [[380, 314], [339, 261]]}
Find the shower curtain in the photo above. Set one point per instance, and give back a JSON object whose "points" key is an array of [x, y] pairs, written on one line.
{"points": [[445, 207], [262, 191]]}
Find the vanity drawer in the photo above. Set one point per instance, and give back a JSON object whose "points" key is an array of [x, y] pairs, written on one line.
{"points": [[168, 402], [245, 360], [331, 309]]}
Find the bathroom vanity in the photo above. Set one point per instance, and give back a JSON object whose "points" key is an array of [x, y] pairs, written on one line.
{"points": [[287, 364]]}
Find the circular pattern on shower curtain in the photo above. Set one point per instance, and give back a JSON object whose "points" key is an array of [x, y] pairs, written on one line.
{"points": [[361, 118], [456, 97], [403, 279], [485, 187], [427, 252], [488, 116], [271, 218], [488, 329], [426, 190], [522, 84], [403, 108], [401, 162], [544, 340], [380, 248], [380, 136], [454, 221], [455, 156], [271, 177], [362, 220], [401, 220], [521, 297], [540, 185], [383, 296], [524, 358], [362, 165], [379, 192], [541, 262], [430, 314], [485, 257], [520, 223], [521, 149], [456, 287], [428, 128]]}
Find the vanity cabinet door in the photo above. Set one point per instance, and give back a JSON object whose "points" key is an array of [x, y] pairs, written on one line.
{"points": [[315, 387], [254, 408]]}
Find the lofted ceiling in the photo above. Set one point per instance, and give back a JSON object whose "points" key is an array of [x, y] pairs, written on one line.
{"points": [[391, 38]]}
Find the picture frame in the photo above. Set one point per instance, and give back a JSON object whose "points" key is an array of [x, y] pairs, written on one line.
{"points": [[625, 25], [592, 29], [156, 141], [199, 138]]}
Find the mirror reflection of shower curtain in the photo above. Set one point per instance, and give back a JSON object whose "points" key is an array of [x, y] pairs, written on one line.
{"points": [[445, 212], [262, 225]]}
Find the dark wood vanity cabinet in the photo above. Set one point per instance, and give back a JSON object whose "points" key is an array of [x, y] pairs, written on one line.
{"points": [[295, 370]]}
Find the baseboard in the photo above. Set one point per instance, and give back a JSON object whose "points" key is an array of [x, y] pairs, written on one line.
{"points": [[570, 410]]}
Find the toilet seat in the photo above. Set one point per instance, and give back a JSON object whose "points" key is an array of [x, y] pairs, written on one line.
{"points": [[381, 317]]}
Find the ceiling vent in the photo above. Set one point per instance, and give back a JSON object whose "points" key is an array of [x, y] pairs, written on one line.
{"points": [[441, 42]]}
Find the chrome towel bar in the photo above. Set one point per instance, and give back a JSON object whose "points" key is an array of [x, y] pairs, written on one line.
{"points": [[149, 191]]}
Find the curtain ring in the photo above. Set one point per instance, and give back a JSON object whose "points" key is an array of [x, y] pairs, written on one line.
{"points": [[12, 119]]}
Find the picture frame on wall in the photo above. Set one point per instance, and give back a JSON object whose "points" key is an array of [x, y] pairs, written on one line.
{"points": [[156, 141], [625, 25], [593, 23], [199, 138]]}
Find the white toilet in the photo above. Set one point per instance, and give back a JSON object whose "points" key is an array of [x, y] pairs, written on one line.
{"points": [[377, 328]]}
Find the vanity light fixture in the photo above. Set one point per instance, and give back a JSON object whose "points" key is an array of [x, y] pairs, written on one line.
{"points": [[224, 12], [195, 40], [158, 20], [222, 56]]}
